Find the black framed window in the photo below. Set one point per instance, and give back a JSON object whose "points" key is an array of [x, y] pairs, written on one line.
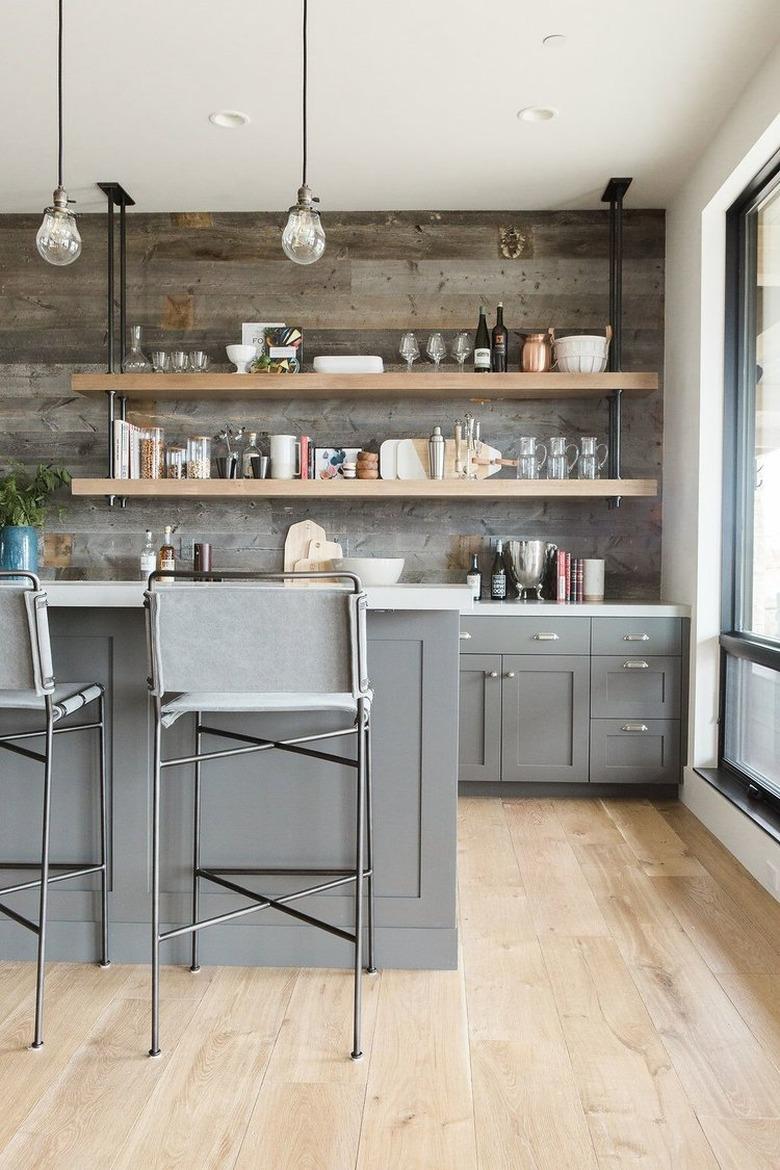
{"points": [[750, 642]]}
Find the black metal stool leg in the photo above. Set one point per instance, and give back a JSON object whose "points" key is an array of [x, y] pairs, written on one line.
{"points": [[104, 960], [357, 1051], [44, 895], [155, 1048], [371, 964], [195, 965]]}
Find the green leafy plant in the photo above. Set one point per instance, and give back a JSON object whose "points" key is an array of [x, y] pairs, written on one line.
{"points": [[25, 496]]}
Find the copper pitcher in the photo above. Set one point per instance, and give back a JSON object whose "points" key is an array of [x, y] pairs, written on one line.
{"points": [[536, 354]]}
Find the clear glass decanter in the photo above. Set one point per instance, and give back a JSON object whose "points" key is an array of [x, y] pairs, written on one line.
{"points": [[136, 361]]}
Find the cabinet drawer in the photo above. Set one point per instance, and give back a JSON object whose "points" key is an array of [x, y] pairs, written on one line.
{"points": [[639, 636], [630, 751], [631, 686], [525, 635]]}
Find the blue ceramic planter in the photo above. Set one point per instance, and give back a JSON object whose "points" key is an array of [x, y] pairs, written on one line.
{"points": [[19, 548]]}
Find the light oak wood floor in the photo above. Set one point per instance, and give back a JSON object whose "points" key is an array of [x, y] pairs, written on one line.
{"points": [[617, 1007]]}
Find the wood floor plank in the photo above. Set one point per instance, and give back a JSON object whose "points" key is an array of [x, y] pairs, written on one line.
{"points": [[303, 1127], [656, 846], [315, 1038], [76, 997], [744, 1143], [534, 818], [485, 853], [638, 1115], [175, 982], [93, 1106], [587, 822], [723, 1068], [198, 1113], [419, 1112]]}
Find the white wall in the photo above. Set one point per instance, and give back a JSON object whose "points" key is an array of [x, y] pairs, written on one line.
{"points": [[693, 407]]}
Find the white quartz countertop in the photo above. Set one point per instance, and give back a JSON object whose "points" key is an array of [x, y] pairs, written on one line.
{"points": [[128, 594]]}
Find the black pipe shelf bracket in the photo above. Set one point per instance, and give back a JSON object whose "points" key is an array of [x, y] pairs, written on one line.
{"points": [[116, 196], [614, 193]]}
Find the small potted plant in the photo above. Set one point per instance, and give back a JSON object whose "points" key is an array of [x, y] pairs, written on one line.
{"points": [[24, 499]]}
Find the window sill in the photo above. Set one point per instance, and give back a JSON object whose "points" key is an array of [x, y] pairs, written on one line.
{"points": [[763, 812]]}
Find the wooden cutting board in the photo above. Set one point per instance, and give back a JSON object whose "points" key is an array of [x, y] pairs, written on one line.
{"points": [[421, 450], [299, 537], [324, 553]]}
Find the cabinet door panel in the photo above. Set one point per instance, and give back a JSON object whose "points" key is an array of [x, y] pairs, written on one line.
{"points": [[480, 717], [632, 686], [545, 718]]}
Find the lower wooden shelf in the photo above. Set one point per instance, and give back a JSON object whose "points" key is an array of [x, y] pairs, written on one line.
{"points": [[360, 489]]}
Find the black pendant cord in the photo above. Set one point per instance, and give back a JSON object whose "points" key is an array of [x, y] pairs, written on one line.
{"points": [[59, 98], [305, 86]]}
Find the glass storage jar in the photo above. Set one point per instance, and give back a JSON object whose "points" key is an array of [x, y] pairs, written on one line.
{"points": [[152, 453], [199, 457], [175, 462]]}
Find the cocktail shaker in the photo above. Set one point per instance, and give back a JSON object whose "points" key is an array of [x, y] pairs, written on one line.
{"points": [[436, 454]]}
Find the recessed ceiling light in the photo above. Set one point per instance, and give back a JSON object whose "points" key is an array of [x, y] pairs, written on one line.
{"points": [[537, 113], [228, 119], [554, 40]]}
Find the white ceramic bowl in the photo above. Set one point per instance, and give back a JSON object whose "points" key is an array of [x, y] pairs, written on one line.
{"points": [[373, 570], [241, 356], [581, 355], [349, 364]]}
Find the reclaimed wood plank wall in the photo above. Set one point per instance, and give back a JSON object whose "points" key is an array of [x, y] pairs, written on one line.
{"points": [[192, 280]]}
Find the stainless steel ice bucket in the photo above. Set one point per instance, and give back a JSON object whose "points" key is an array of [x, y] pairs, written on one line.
{"points": [[527, 561]]}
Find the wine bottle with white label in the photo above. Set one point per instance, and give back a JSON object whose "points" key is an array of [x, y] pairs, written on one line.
{"points": [[482, 345], [498, 575]]}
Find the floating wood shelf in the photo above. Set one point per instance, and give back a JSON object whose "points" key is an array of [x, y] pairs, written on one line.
{"points": [[450, 385], [376, 489]]}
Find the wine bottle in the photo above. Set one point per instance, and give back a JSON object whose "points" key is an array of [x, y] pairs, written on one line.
{"points": [[500, 342], [474, 578], [482, 345], [166, 558], [498, 575], [148, 562]]}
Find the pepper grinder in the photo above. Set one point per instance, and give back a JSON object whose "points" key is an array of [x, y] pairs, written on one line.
{"points": [[436, 454]]}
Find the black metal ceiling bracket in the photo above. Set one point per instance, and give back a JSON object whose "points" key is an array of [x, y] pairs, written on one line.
{"points": [[614, 193], [116, 196]]}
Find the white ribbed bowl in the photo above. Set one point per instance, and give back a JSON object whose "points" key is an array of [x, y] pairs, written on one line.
{"points": [[581, 355], [373, 570]]}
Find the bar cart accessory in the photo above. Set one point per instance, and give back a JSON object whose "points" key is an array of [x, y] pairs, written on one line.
{"points": [[531, 457], [591, 460], [536, 353], [559, 464], [161, 361], [436, 448], [136, 361]]}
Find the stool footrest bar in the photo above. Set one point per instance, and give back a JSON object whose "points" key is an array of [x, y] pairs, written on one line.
{"points": [[281, 871], [58, 877], [33, 926], [39, 757], [287, 745]]}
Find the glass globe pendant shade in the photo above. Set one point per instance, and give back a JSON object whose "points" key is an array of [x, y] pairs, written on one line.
{"points": [[58, 238], [303, 239]]}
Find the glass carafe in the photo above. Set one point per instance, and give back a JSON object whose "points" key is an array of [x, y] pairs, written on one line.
{"points": [[136, 361], [531, 457], [593, 456], [558, 463]]}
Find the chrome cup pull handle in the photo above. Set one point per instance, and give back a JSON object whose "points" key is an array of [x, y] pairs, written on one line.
{"points": [[546, 637], [636, 664], [635, 637], [639, 727]]}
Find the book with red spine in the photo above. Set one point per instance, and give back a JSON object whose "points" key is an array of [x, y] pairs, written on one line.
{"points": [[305, 444]]}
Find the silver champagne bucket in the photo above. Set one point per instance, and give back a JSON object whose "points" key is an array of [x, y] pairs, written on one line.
{"points": [[528, 563]]}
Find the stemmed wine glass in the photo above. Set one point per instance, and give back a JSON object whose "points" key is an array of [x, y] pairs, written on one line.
{"points": [[436, 349], [461, 348], [409, 349]]}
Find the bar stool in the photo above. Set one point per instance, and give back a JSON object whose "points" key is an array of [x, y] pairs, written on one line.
{"points": [[200, 626], [27, 684]]}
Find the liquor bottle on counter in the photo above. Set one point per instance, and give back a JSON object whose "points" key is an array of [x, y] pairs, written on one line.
{"points": [[166, 558], [474, 578], [482, 345], [500, 342], [148, 562], [498, 575]]}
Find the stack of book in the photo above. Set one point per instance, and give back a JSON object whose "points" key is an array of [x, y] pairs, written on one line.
{"points": [[569, 577], [127, 450]]}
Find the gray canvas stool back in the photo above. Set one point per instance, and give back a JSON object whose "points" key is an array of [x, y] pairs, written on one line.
{"points": [[255, 643], [27, 683]]}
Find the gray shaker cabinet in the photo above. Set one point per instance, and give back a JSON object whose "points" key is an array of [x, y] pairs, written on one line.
{"points": [[545, 718], [480, 717]]}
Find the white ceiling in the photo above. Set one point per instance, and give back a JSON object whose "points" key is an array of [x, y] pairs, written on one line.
{"points": [[412, 102]]}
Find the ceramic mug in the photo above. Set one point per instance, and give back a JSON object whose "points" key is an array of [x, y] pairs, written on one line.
{"points": [[285, 456]]}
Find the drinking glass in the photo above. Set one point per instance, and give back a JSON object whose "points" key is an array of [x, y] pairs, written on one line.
{"points": [[531, 457], [199, 361], [436, 349], [591, 460], [558, 463], [179, 361], [160, 361], [461, 348], [409, 349]]}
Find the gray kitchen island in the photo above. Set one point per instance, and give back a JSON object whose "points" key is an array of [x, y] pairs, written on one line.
{"points": [[272, 810]]}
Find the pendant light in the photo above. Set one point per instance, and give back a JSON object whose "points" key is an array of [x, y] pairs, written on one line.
{"points": [[303, 239], [58, 236]]}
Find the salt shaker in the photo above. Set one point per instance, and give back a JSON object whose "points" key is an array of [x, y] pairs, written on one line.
{"points": [[436, 454]]}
